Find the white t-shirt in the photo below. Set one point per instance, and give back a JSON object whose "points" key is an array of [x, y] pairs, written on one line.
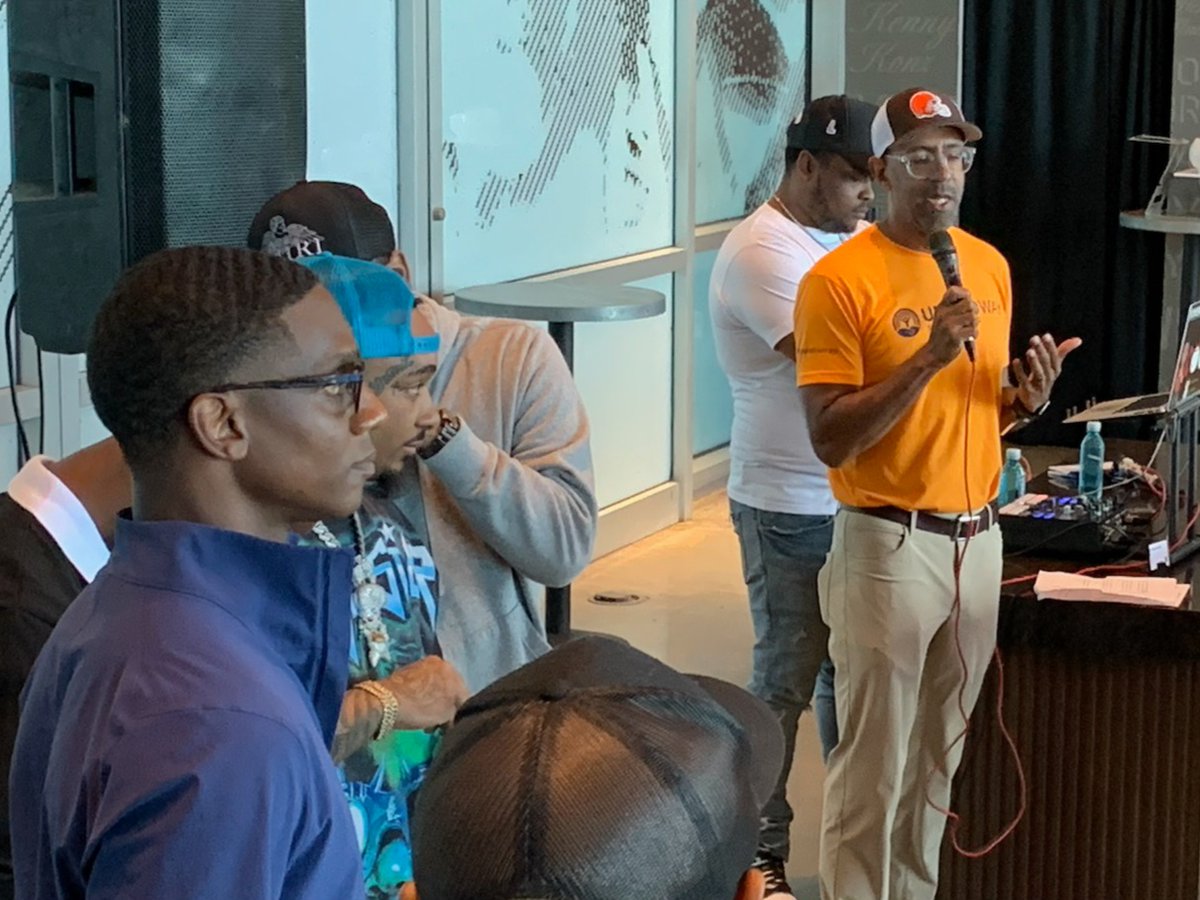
{"points": [[751, 298], [40, 492]]}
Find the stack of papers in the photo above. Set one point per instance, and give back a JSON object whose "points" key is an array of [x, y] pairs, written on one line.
{"points": [[1067, 476], [1142, 590], [1072, 469]]}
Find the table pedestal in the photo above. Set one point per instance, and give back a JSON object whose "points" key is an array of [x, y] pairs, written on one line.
{"points": [[558, 599], [561, 306]]}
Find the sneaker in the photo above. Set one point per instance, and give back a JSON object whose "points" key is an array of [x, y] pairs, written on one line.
{"points": [[771, 866]]}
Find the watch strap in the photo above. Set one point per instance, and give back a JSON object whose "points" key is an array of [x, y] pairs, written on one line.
{"points": [[447, 429], [1025, 412]]}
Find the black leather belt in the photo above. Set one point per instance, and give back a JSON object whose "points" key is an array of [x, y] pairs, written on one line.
{"points": [[959, 528]]}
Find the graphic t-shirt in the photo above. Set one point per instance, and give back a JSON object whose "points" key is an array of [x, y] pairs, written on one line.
{"points": [[381, 780]]}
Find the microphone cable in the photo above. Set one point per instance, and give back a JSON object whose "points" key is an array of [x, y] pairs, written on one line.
{"points": [[960, 553]]}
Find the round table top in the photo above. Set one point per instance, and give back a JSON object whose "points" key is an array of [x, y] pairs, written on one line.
{"points": [[1139, 221], [549, 301]]}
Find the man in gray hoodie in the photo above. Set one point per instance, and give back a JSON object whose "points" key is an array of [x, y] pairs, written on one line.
{"points": [[506, 474]]}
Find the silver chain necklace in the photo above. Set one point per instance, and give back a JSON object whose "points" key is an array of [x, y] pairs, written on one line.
{"points": [[787, 212], [369, 596]]}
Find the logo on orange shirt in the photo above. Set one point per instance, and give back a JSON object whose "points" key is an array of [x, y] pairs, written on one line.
{"points": [[906, 322]]}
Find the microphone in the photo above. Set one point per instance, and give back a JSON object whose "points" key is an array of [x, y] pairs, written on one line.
{"points": [[946, 258]]}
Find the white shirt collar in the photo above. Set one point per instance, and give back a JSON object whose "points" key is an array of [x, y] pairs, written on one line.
{"points": [[47, 499]]}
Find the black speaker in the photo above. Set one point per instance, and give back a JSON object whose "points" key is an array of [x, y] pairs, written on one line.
{"points": [[139, 125], [67, 182]]}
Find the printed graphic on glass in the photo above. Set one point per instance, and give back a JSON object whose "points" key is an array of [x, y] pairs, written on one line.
{"points": [[750, 84]]}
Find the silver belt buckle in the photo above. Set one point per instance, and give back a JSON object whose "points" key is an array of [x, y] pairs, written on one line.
{"points": [[971, 522]]}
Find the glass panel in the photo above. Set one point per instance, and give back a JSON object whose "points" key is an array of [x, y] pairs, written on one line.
{"points": [[352, 101], [558, 134], [623, 370], [750, 84], [712, 402]]}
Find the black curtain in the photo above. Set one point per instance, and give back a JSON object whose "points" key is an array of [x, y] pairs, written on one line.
{"points": [[1058, 87]]}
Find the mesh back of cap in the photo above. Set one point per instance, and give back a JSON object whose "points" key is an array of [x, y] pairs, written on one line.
{"points": [[589, 798]]}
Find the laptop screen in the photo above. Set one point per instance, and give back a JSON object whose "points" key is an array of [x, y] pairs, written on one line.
{"points": [[1187, 368]]}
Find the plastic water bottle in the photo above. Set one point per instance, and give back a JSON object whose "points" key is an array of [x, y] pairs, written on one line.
{"points": [[1091, 463], [1012, 477]]}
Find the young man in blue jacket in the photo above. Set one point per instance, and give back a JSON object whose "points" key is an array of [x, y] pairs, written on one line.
{"points": [[175, 729]]}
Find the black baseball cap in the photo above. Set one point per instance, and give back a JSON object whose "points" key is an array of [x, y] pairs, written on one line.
{"points": [[917, 108], [834, 124], [597, 773], [314, 217]]}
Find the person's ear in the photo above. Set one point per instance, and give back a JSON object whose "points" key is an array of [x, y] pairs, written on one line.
{"points": [[217, 423], [878, 169], [752, 886], [807, 164], [398, 263], [408, 891]]}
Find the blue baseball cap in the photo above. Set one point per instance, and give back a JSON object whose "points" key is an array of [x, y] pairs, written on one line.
{"points": [[376, 302]]}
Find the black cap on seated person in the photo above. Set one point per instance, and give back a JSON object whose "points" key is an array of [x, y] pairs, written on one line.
{"points": [[314, 217], [597, 772]]}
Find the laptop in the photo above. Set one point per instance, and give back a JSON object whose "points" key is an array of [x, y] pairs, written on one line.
{"points": [[1185, 383]]}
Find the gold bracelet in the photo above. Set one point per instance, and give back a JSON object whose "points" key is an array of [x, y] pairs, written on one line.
{"points": [[391, 708]]}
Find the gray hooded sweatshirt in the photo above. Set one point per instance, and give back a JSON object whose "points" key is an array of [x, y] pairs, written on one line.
{"points": [[509, 502]]}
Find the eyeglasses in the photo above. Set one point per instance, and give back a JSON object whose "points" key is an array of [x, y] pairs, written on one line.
{"points": [[345, 384], [925, 164]]}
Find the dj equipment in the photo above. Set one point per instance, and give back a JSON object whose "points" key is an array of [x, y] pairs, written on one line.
{"points": [[1066, 526]]}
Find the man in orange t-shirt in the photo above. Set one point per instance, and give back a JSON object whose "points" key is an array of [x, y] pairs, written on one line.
{"points": [[909, 426]]}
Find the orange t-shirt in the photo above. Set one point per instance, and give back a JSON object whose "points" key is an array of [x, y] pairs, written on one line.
{"points": [[866, 308]]}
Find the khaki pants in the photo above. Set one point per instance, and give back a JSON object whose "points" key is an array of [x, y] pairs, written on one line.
{"points": [[887, 593]]}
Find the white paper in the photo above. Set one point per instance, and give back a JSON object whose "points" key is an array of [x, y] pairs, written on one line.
{"points": [[1144, 590], [1023, 504], [1073, 469], [1160, 554]]}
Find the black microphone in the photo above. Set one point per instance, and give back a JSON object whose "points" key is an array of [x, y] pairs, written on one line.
{"points": [[946, 258]]}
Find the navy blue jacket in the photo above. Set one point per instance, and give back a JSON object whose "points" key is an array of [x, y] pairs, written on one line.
{"points": [[174, 731]]}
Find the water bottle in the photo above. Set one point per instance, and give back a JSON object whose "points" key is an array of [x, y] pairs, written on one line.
{"points": [[1091, 463], [1012, 477]]}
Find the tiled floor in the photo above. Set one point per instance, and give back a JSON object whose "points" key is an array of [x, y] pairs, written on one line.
{"points": [[694, 617]]}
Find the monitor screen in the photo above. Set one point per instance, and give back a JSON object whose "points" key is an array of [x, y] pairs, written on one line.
{"points": [[1186, 383]]}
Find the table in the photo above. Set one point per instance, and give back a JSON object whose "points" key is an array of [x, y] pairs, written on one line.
{"points": [[1103, 702], [560, 305]]}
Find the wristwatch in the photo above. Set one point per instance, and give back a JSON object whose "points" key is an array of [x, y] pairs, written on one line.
{"points": [[1024, 415], [447, 429], [1025, 412]]}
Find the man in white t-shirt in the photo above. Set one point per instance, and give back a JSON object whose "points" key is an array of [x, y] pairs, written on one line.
{"points": [[779, 494]]}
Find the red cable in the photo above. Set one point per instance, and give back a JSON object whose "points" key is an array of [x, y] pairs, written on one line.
{"points": [[954, 819]]}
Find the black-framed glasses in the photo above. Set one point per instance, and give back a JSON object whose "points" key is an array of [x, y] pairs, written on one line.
{"points": [[346, 383], [925, 164]]}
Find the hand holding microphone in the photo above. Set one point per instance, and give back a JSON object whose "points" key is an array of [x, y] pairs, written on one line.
{"points": [[946, 258], [955, 326]]}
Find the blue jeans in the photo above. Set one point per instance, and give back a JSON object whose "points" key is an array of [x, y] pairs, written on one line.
{"points": [[781, 556]]}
